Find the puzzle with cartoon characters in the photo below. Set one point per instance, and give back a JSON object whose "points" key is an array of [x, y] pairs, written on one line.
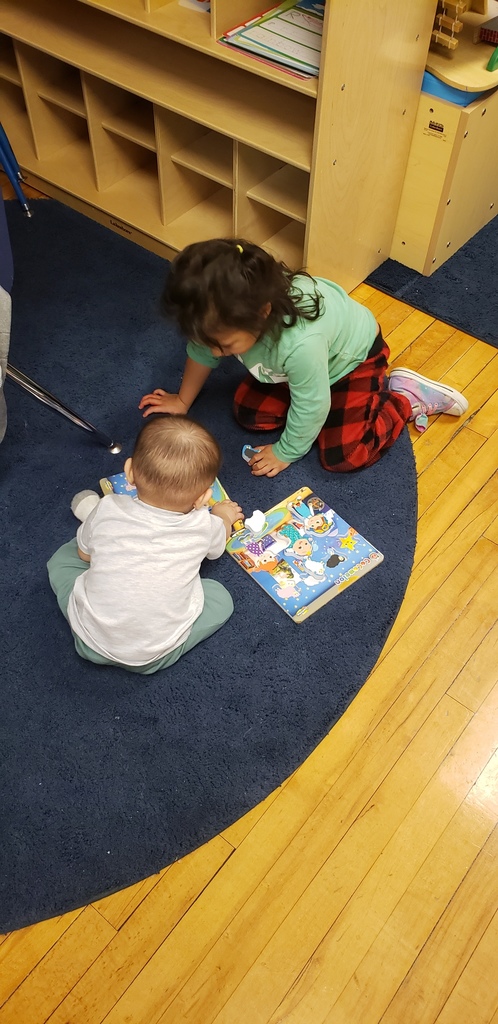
{"points": [[302, 553]]}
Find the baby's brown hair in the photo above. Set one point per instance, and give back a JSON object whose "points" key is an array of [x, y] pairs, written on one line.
{"points": [[175, 457]]}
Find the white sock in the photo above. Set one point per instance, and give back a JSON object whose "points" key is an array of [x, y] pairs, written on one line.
{"points": [[83, 503]]}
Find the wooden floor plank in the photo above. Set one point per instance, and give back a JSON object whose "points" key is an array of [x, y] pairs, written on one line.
{"points": [[21, 951], [447, 553], [484, 421], [473, 1000], [378, 991], [120, 906], [477, 677], [471, 363], [101, 986], [438, 476], [437, 363], [428, 984], [68, 960], [433, 353], [430, 444], [411, 327], [459, 493], [328, 975], [391, 316]]}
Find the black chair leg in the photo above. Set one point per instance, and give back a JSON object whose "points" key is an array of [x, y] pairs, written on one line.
{"points": [[44, 396]]}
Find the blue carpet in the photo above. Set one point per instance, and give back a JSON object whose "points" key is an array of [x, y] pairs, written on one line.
{"points": [[462, 292], [109, 776]]}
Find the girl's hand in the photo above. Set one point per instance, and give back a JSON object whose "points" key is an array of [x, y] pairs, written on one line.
{"points": [[162, 401], [265, 463]]}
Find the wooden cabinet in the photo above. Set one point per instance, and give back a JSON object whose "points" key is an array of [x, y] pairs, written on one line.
{"points": [[131, 111], [451, 184]]}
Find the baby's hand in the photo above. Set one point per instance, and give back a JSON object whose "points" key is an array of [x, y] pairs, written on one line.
{"points": [[163, 401], [229, 512]]}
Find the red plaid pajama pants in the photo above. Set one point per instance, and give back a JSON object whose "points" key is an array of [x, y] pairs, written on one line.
{"points": [[364, 420]]}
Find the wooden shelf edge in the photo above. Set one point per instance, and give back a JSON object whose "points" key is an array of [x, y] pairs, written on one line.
{"points": [[102, 216], [189, 28]]}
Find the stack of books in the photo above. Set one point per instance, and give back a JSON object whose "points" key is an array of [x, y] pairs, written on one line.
{"points": [[288, 36]]}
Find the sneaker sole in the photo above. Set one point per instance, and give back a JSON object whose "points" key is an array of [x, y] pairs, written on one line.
{"points": [[459, 400]]}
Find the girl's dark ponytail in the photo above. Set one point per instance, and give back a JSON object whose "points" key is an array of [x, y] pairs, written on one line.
{"points": [[229, 282]]}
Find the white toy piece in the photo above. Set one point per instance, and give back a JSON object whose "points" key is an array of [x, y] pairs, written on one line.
{"points": [[83, 503], [256, 522]]}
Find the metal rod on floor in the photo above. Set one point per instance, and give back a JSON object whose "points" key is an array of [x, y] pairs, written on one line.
{"points": [[44, 396]]}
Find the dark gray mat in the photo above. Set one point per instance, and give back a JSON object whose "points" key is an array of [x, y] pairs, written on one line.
{"points": [[463, 292], [109, 776]]}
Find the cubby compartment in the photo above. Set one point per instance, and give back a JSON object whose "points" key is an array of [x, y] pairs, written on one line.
{"points": [[54, 100], [226, 14], [55, 128], [125, 170], [274, 231], [195, 208], [51, 79], [271, 203], [116, 159], [119, 111], [9, 70], [120, 199], [193, 163], [286, 189], [123, 141], [273, 183], [13, 111], [209, 153], [288, 244]]}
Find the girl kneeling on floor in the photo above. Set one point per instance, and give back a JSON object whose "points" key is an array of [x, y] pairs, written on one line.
{"points": [[316, 358]]}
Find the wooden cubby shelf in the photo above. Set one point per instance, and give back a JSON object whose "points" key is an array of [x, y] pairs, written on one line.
{"points": [[8, 63], [132, 111], [211, 154], [287, 244], [210, 218], [285, 190]]}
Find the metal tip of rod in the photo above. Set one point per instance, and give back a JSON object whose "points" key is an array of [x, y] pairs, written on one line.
{"points": [[115, 447]]}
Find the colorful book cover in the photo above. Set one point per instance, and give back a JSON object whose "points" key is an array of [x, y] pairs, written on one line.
{"points": [[289, 35], [304, 555], [117, 484]]}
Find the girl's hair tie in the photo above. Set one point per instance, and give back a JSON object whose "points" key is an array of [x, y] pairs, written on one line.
{"points": [[239, 247]]}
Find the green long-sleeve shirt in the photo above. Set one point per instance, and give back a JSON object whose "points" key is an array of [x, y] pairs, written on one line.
{"points": [[309, 357]]}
